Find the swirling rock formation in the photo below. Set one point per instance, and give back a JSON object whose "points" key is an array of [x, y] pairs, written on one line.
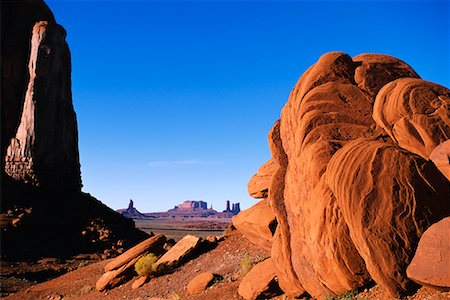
{"points": [[353, 187]]}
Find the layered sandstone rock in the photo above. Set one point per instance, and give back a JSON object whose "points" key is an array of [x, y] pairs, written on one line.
{"points": [[44, 150], [40, 165], [17, 20], [350, 193], [257, 223], [431, 263], [179, 253], [151, 245], [258, 186], [260, 282]]}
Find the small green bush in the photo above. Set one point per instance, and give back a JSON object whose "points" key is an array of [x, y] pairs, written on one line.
{"points": [[146, 265], [246, 265]]}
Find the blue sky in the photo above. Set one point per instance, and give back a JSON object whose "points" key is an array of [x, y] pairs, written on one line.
{"points": [[174, 99]]}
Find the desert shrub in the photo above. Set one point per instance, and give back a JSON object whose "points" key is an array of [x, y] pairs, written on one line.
{"points": [[146, 265], [246, 265], [86, 290]]}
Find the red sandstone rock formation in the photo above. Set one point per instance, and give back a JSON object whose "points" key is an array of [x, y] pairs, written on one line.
{"points": [[17, 20], [260, 282], [44, 149], [257, 224], [353, 188], [40, 165], [431, 263]]}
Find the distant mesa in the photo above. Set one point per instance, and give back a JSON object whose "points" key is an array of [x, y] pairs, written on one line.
{"points": [[187, 209]]}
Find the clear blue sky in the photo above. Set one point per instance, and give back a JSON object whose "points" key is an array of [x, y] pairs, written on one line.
{"points": [[175, 99]]}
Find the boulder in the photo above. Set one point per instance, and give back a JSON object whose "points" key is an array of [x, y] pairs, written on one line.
{"points": [[257, 224], [258, 186], [410, 192], [115, 277], [200, 283], [178, 253], [260, 282], [349, 190], [151, 245], [431, 263]]}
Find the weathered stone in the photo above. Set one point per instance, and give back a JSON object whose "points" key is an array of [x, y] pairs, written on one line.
{"points": [[409, 191], [257, 223], [431, 263], [415, 113], [40, 167], [212, 239], [44, 150], [260, 282], [113, 278], [178, 253], [151, 245], [376, 70], [140, 281], [258, 186], [200, 283], [17, 21], [441, 158], [334, 165]]}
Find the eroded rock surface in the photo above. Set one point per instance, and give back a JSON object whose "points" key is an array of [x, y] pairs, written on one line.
{"points": [[352, 187], [260, 282], [200, 283], [431, 263], [178, 253], [40, 167], [258, 186], [151, 245], [257, 223], [44, 150]]}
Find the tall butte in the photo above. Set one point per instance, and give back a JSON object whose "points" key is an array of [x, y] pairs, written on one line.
{"points": [[41, 181], [41, 127]]}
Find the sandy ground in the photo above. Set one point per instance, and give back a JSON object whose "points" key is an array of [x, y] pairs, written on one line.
{"points": [[223, 260]]}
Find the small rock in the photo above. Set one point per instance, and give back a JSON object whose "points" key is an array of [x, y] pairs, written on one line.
{"points": [[55, 297], [211, 239], [179, 252], [139, 282], [260, 282], [200, 283]]}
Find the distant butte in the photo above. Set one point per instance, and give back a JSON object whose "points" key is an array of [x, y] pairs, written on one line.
{"points": [[187, 209]]}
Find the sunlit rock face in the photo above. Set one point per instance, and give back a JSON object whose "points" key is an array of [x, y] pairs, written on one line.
{"points": [[44, 148], [353, 187], [42, 208]]}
